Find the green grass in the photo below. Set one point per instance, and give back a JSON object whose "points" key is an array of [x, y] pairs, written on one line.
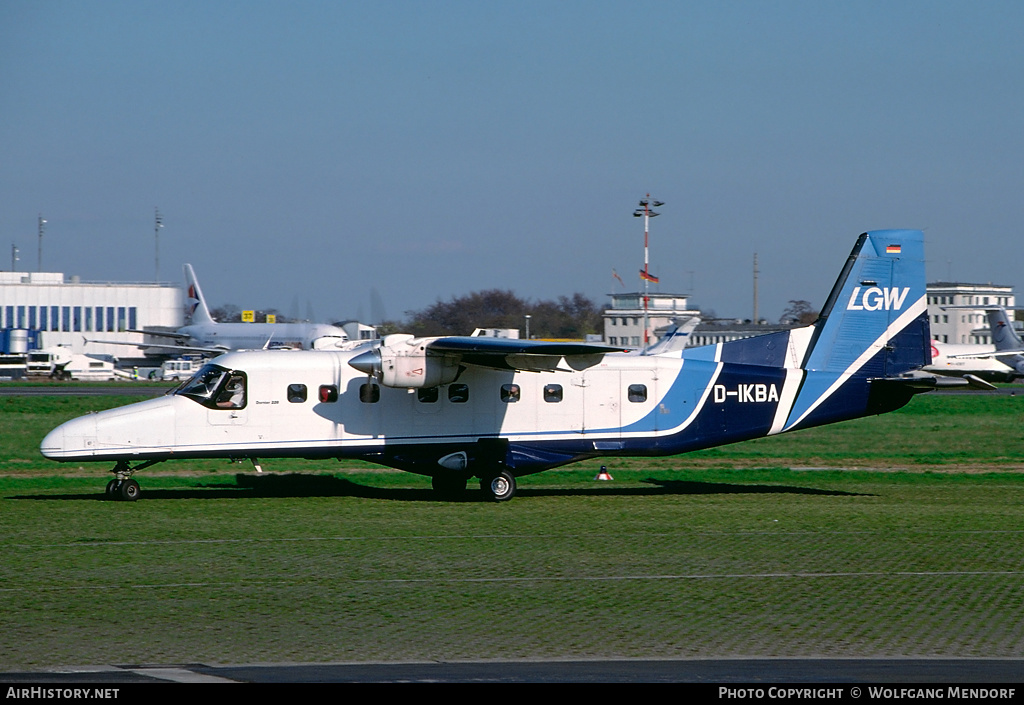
{"points": [[903, 541]]}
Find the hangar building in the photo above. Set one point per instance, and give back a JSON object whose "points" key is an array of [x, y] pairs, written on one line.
{"points": [[57, 310]]}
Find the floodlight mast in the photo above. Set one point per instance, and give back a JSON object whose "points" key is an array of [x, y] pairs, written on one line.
{"points": [[157, 224], [646, 213], [42, 229]]}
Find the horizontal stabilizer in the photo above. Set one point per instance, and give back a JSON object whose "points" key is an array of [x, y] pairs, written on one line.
{"points": [[923, 382]]}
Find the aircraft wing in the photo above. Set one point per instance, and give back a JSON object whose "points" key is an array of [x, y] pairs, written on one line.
{"points": [[515, 354], [985, 355], [408, 362], [160, 334], [171, 348]]}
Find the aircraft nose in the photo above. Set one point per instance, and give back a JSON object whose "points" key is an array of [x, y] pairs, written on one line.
{"points": [[73, 439], [53, 443]]}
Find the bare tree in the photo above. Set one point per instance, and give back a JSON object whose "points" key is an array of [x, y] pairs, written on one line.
{"points": [[800, 312], [568, 317]]}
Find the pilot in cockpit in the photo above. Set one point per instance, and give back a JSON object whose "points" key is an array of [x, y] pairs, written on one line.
{"points": [[233, 396]]}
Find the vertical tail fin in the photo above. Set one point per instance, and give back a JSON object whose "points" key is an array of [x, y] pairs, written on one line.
{"points": [[875, 319], [675, 339], [874, 324], [195, 304], [1006, 340], [1003, 334]]}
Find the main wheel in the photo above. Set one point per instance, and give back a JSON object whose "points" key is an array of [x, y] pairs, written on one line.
{"points": [[448, 485], [129, 490], [501, 487], [112, 488]]}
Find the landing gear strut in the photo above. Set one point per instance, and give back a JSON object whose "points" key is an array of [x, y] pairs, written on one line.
{"points": [[123, 487]]}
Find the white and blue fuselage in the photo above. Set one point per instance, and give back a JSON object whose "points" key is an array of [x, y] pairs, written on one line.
{"points": [[463, 407]]}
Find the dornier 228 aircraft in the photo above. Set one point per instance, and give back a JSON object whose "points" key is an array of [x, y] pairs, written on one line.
{"points": [[455, 408]]}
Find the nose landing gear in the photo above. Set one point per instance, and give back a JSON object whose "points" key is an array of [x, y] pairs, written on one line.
{"points": [[123, 488]]}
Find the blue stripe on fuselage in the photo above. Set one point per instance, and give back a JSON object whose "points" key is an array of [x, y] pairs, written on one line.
{"points": [[677, 406], [709, 399]]}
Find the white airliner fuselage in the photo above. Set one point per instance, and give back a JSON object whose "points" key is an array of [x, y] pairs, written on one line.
{"points": [[205, 335], [946, 361], [254, 336]]}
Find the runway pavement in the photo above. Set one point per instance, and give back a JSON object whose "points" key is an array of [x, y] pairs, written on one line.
{"points": [[952, 672]]}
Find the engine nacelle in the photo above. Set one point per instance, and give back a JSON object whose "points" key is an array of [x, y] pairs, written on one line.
{"points": [[403, 361]]}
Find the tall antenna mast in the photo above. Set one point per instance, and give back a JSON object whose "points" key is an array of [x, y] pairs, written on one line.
{"points": [[646, 213]]}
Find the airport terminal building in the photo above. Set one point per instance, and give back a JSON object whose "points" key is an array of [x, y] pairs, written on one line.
{"points": [[624, 321], [965, 325], [57, 310]]}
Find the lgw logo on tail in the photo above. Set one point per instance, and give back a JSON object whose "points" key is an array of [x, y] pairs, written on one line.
{"points": [[876, 299]]}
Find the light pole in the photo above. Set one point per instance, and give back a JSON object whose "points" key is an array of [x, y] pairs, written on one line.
{"points": [[42, 228], [158, 223], [527, 317], [14, 257], [646, 213]]}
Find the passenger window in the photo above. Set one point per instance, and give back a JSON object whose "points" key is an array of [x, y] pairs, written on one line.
{"points": [[637, 392], [458, 393], [328, 393], [553, 392], [369, 393], [510, 393], [296, 393], [427, 396]]}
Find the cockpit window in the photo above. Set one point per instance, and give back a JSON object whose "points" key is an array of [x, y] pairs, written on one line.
{"points": [[232, 394], [215, 387]]}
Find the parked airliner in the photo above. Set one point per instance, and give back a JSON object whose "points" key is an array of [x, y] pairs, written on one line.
{"points": [[1002, 361], [203, 335], [958, 360], [456, 408]]}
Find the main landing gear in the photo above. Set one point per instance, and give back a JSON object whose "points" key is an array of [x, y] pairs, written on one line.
{"points": [[450, 485], [499, 487], [123, 488]]}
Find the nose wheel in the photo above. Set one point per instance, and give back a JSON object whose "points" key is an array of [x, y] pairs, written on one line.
{"points": [[123, 488]]}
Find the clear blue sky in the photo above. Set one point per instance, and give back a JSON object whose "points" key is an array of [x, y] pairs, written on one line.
{"points": [[315, 152]]}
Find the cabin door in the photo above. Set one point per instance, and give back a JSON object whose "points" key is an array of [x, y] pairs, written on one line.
{"points": [[602, 404]]}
